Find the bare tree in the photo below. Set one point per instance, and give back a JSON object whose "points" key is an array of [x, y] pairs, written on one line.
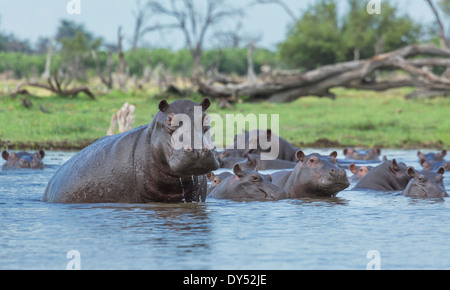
{"points": [[283, 5], [141, 15], [187, 17], [441, 25]]}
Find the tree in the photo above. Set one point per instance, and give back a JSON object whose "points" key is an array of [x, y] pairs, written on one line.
{"points": [[319, 38], [76, 45], [187, 17], [315, 39]]}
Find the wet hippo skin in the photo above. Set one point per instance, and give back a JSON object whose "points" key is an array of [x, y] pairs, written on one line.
{"points": [[247, 185], [426, 183], [23, 160], [388, 176], [314, 176], [138, 166]]}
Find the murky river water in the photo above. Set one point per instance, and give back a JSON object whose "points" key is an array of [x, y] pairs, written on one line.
{"points": [[290, 234]]}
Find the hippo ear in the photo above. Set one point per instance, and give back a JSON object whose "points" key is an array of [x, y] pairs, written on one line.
{"points": [[334, 154], [353, 168], [394, 166], [237, 169], [441, 170], [378, 151], [210, 176], [5, 155], [205, 103], [422, 161], [411, 172], [300, 155], [42, 153], [345, 151], [163, 106], [444, 152], [384, 158]]}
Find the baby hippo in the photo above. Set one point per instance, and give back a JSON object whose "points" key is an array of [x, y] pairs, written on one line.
{"points": [[247, 185], [358, 171], [425, 183], [23, 160]]}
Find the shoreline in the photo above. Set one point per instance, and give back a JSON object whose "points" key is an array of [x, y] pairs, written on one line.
{"points": [[78, 145]]}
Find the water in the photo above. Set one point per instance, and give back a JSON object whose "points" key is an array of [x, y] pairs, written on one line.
{"points": [[289, 234]]}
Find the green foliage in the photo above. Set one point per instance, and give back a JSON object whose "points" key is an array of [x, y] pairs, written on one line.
{"points": [[315, 38], [355, 118], [21, 64], [318, 38]]}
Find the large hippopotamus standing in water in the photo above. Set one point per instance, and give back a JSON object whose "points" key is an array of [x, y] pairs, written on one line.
{"points": [[23, 160], [141, 165], [314, 176]]}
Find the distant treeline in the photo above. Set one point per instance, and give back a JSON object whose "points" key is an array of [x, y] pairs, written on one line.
{"points": [[232, 61]]}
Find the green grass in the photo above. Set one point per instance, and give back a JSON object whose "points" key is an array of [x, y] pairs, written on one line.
{"points": [[355, 118]]}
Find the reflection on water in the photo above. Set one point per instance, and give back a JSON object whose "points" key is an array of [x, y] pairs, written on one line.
{"points": [[331, 233]]}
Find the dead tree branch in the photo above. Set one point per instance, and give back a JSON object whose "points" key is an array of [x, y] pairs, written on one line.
{"points": [[54, 86], [351, 74]]}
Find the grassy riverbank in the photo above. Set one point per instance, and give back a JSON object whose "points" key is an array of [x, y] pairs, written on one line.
{"points": [[355, 118]]}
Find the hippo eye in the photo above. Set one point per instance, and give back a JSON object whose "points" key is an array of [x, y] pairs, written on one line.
{"points": [[255, 178]]}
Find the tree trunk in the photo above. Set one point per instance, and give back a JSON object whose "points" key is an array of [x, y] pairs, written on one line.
{"points": [[351, 74]]}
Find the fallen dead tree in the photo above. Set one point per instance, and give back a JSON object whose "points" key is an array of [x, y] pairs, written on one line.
{"points": [[352, 74], [53, 85]]}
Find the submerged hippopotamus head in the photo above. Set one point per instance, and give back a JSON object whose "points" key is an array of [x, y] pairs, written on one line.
{"points": [[247, 185], [432, 161], [318, 175], [216, 179], [371, 154], [182, 139], [23, 160], [425, 183], [359, 171]]}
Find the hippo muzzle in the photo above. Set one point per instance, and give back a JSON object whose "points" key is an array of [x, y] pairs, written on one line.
{"points": [[187, 162], [333, 181]]}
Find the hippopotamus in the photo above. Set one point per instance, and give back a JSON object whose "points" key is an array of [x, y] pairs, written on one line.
{"points": [[146, 164], [371, 154], [432, 161], [23, 160], [358, 171], [425, 183], [251, 142], [314, 176], [247, 185], [388, 176], [216, 179], [226, 161], [254, 161]]}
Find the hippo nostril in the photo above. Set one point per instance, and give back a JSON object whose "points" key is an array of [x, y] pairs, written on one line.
{"points": [[332, 171], [206, 148], [188, 148]]}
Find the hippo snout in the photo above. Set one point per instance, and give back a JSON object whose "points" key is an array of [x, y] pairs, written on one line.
{"points": [[281, 194], [337, 172]]}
